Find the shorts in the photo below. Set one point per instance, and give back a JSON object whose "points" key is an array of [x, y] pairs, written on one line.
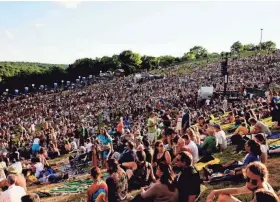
{"points": [[152, 137], [105, 154]]}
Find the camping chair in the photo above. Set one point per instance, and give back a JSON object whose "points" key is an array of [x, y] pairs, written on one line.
{"points": [[79, 163]]}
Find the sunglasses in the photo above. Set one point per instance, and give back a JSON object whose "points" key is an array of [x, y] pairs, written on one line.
{"points": [[160, 145], [253, 182], [178, 160]]}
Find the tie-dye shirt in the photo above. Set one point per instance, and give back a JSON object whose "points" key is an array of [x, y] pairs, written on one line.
{"points": [[98, 192]]}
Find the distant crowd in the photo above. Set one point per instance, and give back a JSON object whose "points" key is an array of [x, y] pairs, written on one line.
{"points": [[148, 136]]}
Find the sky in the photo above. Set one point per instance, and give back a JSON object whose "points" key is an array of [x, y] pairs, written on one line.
{"points": [[61, 32]]}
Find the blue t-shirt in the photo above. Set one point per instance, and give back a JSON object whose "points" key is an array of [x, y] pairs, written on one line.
{"points": [[104, 140], [249, 158]]}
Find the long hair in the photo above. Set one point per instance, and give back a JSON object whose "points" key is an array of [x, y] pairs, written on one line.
{"points": [[156, 150], [105, 133], [113, 166], [167, 177], [261, 138], [191, 133], [257, 168], [254, 147]]}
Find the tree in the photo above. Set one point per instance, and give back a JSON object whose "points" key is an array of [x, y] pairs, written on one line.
{"points": [[56, 73], [130, 61], [166, 60], [213, 55], [268, 45], [83, 67], [199, 52], [149, 62], [249, 47], [236, 47], [188, 56], [109, 63]]}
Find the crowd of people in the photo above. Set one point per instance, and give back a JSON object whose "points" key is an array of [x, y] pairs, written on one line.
{"points": [[148, 136]]}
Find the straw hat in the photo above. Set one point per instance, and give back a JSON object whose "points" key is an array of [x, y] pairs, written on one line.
{"points": [[12, 170]]}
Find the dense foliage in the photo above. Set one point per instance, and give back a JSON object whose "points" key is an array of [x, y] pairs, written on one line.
{"points": [[17, 75]]}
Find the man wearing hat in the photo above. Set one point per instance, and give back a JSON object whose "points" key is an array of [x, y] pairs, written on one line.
{"points": [[20, 180], [14, 192]]}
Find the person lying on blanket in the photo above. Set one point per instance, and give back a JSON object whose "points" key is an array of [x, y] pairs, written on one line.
{"points": [[48, 176]]}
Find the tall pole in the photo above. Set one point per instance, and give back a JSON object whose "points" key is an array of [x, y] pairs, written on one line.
{"points": [[226, 76], [261, 39]]}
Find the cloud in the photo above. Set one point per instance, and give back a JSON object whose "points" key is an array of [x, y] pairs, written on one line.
{"points": [[38, 25], [70, 4], [9, 34]]}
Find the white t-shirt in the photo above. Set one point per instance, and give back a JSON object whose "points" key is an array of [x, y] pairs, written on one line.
{"points": [[36, 141], [194, 150], [264, 148], [39, 167], [74, 146], [33, 128], [221, 139], [266, 94], [13, 194], [88, 146]]}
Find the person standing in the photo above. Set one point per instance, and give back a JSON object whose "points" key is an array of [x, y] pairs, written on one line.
{"points": [[152, 130], [179, 123], [77, 136], [83, 135], [166, 118], [186, 120], [225, 104]]}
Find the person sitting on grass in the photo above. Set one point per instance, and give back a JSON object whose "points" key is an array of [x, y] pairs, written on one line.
{"points": [[14, 192], [220, 137], [209, 145], [239, 133], [140, 172], [162, 191], [256, 176], [188, 180], [235, 167], [259, 127], [98, 191], [260, 139], [117, 182]]}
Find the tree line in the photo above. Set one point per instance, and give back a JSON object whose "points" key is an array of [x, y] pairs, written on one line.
{"points": [[17, 75]]}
